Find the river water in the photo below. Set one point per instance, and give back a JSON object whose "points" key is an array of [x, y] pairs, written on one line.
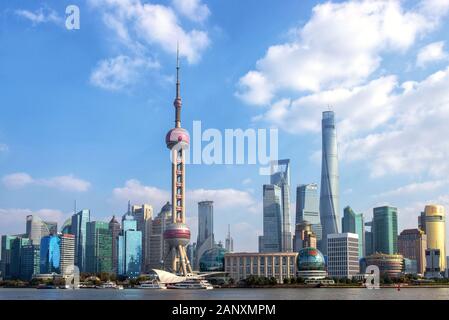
{"points": [[229, 294]]}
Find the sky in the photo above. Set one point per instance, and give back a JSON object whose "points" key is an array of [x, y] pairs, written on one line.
{"points": [[84, 112]]}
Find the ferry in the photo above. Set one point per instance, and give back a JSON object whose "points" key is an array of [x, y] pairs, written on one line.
{"points": [[151, 285], [109, 285], [191, 284]]}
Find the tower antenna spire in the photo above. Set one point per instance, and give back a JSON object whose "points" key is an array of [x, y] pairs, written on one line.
{"points": [[177, 103]]}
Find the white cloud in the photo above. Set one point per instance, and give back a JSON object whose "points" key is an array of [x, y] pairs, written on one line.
{"points": [[192, 9], [340, 46], [138, 24], [415, 188], [65, 183], [42, 15], [4, 147], [139, 193], [120, 72], [430, 53]]}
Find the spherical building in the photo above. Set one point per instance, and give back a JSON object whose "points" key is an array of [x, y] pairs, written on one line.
{"points": [[213, 260], [311, 264], [177, 234]]}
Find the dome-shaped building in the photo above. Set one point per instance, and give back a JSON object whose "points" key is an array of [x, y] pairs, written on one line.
{"points": [[213, 260], [311, 264]]}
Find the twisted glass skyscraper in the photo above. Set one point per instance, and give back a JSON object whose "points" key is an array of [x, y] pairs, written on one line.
{"points": [[329, 196]]}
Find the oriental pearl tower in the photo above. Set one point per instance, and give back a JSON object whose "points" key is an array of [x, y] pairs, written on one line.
{"points": [[177, 234]]}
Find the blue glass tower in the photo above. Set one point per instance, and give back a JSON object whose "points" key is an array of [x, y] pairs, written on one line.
{"points": [[50, 255], [307, 207], [79, 230], [129, 248], [329, 196]]}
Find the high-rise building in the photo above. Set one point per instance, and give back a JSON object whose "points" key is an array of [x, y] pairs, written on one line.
{"points": [[130, 248], [353, 223], [385, 229], [434, 225], [36, 229], [229, 243], [29, 261], [67, 226], [272, 221], [114, 229], [159, 249], [67, 252], [304, 236], [98, 247], [280, 176], [329, 192], [412, 244], [205, 240], [143, 215], [5, 262], [369, 241], [16, 256], [79, 230], [307, 208], [177, 233], [50, 254], [343, 255], [433, 263]]}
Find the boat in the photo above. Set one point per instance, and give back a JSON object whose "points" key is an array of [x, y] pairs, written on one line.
{"points": [[151, 285], [191, 284], [109, 285]]}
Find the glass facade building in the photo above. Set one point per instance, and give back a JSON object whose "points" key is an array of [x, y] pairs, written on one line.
{"points": [[30, 261], [205, 239], [385, 230], [353, 223], [5, 262], [213, 260], [98, 247], [272, 221], [79, 230], [16, 256], [307, 207], [50, 254], [329, 192], [130, 248]]}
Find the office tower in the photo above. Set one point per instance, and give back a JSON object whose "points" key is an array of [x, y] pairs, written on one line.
{"points": [[5, 262], [205, 240], [177, 234], [114, 229], [29, 261], [50, 254], [329, 193], [129, 248], [16, 256], [67, 226], [159, 249], [412, 244], [229, 243], [385, 229], [369, 241], [304, 236], [36, 229], [343, 255], [280, 176], [79, 230], [144, 216], [433, 263], [353, 223], [52, 227], [307, 208], [272, 221], [433, 222], [98, 247], [67, 252]]}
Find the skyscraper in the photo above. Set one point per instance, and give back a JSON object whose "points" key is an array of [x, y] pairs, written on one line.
{"points": [[434, 225], [114, 229], [130, 248], [385, 229], [272, 221], [369, 239], [79, 230], [205, 240], [304, 236], [50, 254], [36, 229], [412, 244], [177, 233], [229, 243], [67, 251], [29, 261], [17, 246], [159, 249], [329, 193], [98, 247], [343, 255], [280, 176], [353, 223], [143, 215], [5, 262], [307, 208]]}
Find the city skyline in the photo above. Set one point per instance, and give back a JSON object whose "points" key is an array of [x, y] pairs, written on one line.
{"points": [[100, 143]]}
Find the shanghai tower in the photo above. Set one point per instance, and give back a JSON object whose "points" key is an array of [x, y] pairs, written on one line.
{"points": [[329, 196]]}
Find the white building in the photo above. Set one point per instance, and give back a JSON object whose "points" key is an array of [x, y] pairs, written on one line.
{"points": [[343, 255]]}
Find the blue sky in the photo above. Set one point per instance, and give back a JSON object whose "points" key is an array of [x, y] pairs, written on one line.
{"points": [[84, 112]]}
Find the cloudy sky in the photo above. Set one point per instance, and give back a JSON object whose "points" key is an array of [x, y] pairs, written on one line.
{"points": [[84, 112]]}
